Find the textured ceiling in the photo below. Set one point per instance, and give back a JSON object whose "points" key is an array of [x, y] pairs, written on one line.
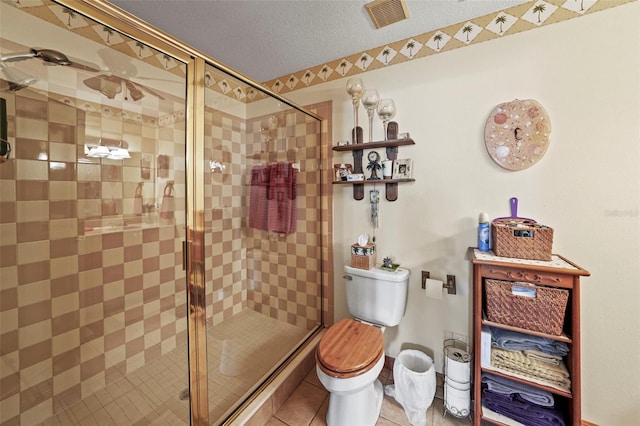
{"points": [[266, 39]]}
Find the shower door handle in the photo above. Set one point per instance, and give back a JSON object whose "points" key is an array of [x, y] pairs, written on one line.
{"points": [[185, 254]]}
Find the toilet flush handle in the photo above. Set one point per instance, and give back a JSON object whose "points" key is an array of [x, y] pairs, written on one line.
{"points": [[347, 277]]}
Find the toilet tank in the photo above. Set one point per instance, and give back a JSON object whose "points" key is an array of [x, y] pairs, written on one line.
{"points": [[377, 296]]}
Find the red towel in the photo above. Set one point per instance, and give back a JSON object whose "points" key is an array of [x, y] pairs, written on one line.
{"points": [[258, 197], [281, 195]]}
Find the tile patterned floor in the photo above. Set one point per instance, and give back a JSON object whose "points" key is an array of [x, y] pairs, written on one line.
{"points": [[307, 406], [150, 395], [241, 352]]}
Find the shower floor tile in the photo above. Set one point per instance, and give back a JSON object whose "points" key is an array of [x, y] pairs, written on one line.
{"points": [[242, 352]]}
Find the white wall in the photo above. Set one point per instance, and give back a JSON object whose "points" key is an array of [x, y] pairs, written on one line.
{"points": [[585, 72]]}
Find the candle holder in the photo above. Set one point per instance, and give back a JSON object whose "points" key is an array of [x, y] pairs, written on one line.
{"points": [[386, 111], [355, 89], [370, 99]]}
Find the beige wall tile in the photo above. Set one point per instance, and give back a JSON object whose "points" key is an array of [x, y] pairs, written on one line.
{"points": [[34, 292], [63, 190], [114, 256], [113, 323], [64, 266], [61, 113], [30, 128], [89, 209], [89, 172], [37, 414], [92, 349], [66, 380], [9, 320], [9, 408], [113, 290], [132, 268], [62, 152], [8, 234], [90, 279], [64, 304], [115, 356], [36, 373], [92, 385], [135, 362], [91, 314], [63, 342], [35, 251], [35, 333], [63, 228], [32, 170]]}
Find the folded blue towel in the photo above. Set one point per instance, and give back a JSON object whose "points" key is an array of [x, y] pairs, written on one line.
{"points": [[503, 386], [514, 341], [522, 411]]}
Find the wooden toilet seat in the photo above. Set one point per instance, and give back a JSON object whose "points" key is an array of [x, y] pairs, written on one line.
{"points": [[349, 348]]}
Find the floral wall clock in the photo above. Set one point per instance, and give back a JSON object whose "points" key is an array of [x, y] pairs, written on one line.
{"points": [[516, 134]]}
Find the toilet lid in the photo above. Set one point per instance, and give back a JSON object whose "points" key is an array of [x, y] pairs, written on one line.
{"points": [[349, 346]]}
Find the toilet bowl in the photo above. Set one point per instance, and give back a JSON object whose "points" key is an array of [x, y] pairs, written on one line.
{"points": [[349, 359], [350, 355]]}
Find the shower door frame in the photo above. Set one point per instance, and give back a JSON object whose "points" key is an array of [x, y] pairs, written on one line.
{"points": [[194, 246], [193, 253]]}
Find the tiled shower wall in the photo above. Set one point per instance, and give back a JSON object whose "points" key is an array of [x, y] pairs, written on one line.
{"points": [[225, 260], [277, 275], [82, 306]]}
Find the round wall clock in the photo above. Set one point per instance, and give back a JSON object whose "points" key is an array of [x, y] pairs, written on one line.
{"points": [[516, 134]]}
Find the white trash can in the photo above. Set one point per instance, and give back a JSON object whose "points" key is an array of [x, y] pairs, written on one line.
{"points": [[414, 377]]}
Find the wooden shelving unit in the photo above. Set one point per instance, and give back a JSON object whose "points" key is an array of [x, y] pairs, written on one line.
{"points": [[391, 146], [559, 273]]}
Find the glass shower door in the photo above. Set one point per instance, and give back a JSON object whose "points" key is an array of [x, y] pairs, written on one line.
{"points": [[93, 314], [262, 236]]}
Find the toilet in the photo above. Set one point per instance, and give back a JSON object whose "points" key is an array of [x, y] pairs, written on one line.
{"points": [[350, 355]]}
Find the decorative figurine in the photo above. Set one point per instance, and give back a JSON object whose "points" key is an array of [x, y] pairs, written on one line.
{"points": [[374, 165], [388, 265]]}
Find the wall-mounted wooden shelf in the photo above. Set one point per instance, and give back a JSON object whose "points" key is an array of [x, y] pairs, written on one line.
{"points": [[375, 145], [373, 182], [391, 145]]}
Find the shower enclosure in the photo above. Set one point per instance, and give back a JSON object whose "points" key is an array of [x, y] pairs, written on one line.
{"points": [[163, 224]]}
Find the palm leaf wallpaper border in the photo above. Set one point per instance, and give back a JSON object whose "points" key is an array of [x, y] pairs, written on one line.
{"points": [[527, 16], [524, 17]]}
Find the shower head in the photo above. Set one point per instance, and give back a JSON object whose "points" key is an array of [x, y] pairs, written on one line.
{"points": [[51, 56], [48, 56]]}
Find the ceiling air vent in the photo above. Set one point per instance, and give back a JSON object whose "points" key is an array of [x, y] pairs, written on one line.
{"points": [[387, 12]]}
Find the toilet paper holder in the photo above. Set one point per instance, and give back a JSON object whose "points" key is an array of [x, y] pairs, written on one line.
{"points": [[450, 284]]}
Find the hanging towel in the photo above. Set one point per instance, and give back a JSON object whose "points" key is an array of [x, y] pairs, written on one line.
{"points": [[522, 411], [504, 386], [281, 196], [258, 197], [137, 200], [168, 206], [514, 341]]}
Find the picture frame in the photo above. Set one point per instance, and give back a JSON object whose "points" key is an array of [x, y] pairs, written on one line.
{"points": [[402, 168], [341, 171]]}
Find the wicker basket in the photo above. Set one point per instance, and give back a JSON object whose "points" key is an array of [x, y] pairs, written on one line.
{"points": [[522, 239], [363, 257], [544, 312]]}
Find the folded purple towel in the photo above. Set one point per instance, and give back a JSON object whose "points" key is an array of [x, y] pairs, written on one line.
{"points": [[522, 411], [503, 386]]}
